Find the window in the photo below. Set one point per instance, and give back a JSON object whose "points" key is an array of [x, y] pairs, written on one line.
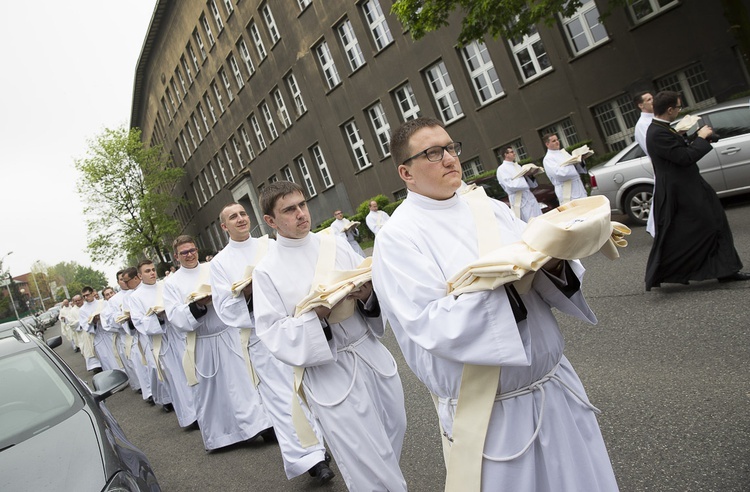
{"points": [[302, 6], [645, 9], [230, 163], [210, 106], [400, 194], [565, 131], [222, 168], [381, 128], [212, 166], [327, 65], [211, 238], [583, 29], [198, 200], [186, 68], [320, 161], [270, 23], [208, 183], [248, 144], [201, 48], [518, 148], [245, 55], [730, 122], [482, 72], [442, 90], [616, 119], [236, 71], [357, 145], [166, 108], [299, 104], [381, 34], [181, 80], [207, 28], [227, 85], [407, 102], [255, 33], [176, 90], [306, 178], [269, 121], [217, 15], [281, 113], [273, 179], [692, 85], [203, 116], [185, 143], [171, 101], [202, 188], [288, 174], [182, 152], [217, 95], [192, 136], [530, 55], [351, 45], [229, 7], [258, 133], [237, 151], [472, 167], [220, 234], [197, 126]]}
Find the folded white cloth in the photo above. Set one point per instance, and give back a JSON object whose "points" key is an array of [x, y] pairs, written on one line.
{"points": [[332, 290]]}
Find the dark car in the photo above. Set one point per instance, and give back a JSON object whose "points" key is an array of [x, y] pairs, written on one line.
{"points": [[544, 193], [55, 433]]}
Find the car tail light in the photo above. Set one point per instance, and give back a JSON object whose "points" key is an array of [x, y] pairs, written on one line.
{"points": [[592, 180]]}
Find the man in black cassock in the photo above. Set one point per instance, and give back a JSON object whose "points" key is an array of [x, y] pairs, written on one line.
{"points": [[693, 240]]}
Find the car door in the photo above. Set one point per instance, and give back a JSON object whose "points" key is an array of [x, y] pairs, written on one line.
{"points": [[732, 151]]}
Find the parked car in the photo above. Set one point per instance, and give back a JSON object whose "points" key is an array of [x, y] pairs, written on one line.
{"points": [[627, 179], [6, 329], [55, 433], [46, 319], [544, 193]]}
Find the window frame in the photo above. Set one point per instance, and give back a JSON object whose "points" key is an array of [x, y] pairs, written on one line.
{"points": [[357, 145], [443, 92]]}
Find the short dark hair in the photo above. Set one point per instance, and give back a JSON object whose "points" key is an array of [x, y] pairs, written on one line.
{"points": [[400, 137], [271, 194], [507, 149], [119, 272], [143, 263], [180, 240], [665, 100], [221, 214], [106, 289], [131, 272], [547, 136], [638, 98], [87, 289]]}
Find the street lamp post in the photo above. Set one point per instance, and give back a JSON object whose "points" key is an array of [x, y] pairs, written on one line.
{"points": [[10, 281]]}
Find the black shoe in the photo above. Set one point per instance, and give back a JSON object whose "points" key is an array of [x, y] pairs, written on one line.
{"points": [[139, 391], [321, 473], [735, 277], [76, 349], [193, 426], [150, 400], [96, 370], [269, 436], [167, 407]]}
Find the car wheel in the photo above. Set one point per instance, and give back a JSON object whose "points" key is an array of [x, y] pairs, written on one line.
{"points": [[637, 203]]}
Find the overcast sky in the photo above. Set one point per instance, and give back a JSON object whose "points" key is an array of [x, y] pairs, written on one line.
{"points": [[67, 74]]}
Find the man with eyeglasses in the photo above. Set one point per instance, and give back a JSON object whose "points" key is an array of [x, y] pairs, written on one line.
{"points": [[510, 406], [274, 380], [522, 200], [693, 240], [131, 282], [565, 177], [88, 325], [147, 315]]}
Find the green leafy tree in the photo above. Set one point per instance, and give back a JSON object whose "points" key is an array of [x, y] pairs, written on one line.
{"points": [[88, 276], [74, 276], [496, 18], [127, 191]]}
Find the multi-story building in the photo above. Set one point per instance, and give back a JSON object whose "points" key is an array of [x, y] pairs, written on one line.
{"points": [[247, 92]]}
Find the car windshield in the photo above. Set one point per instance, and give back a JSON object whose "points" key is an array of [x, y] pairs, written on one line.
{"points": [[34, 396]]}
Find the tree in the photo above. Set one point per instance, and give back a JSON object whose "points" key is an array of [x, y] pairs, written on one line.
{"points": [[87, 276], [497, 18], [127, 191], [75, 277]]}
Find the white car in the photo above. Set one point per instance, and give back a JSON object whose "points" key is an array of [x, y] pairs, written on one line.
{"points": [[627, 179]]}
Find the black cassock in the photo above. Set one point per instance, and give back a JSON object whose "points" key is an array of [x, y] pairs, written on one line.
{"points": [[693, 240]]}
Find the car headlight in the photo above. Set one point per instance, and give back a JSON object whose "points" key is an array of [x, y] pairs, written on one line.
{"points": [[122, 482]]}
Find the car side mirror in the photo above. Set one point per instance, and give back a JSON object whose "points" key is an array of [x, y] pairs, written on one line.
{"points": [[107, 383], [54, 342]]}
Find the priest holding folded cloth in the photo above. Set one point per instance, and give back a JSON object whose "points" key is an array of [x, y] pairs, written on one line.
{"points": [[510, 405], [564, 170], [347, 377], [348, 230], [518, 182]]}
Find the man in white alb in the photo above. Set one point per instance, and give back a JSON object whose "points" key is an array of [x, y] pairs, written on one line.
{"points": [[227, 406], [276, 379], [566, 178], [376, 219], [124, 341], [350, 235], [538, 431], [522, 200], [349, 379], [645, 102], [88, 326]]}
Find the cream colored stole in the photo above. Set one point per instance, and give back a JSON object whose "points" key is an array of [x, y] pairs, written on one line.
{"points": [[479, 384], [517, 196], [128, 345], [245, 333], [117, 352], [156, 339], [188, 358], [326, 262], [567, 187]]}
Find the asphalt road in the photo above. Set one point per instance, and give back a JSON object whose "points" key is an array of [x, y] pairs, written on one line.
{"points": [[669, 369]]}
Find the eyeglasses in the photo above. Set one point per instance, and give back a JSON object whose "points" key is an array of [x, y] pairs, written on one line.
{"points": [[188, 252], [436, 153]]}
